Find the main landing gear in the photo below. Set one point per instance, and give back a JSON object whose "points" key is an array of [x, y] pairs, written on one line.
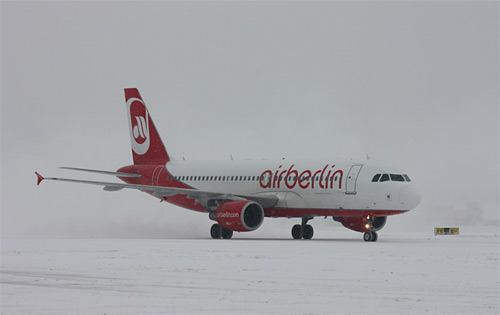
{"points": [[217, 231], [370, 235], [303, 230]]}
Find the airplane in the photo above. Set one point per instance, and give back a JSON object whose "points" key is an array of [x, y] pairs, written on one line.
{"points": [[238, 195]]}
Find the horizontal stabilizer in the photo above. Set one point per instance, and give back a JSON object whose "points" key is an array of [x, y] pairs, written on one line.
{"points": [[119, 174]]}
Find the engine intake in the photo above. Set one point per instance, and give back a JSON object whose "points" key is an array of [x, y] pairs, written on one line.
{"points": [[240, 216]]}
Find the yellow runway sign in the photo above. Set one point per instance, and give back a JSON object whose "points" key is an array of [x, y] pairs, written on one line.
{"points": [[446, 231]]}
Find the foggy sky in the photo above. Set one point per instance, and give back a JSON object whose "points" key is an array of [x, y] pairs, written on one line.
{"points": [[413, 84]]}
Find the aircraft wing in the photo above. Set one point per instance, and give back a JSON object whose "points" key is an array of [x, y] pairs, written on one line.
{"points": [[266, 201]]}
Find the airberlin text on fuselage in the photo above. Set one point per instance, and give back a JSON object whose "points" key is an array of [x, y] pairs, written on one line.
{"points": [[323, 178]]}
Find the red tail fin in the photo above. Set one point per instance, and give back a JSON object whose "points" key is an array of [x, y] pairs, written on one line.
{"points": [[147, 147]]}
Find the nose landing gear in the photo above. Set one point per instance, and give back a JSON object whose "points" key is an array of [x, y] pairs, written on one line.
{"points": [[370, 235], [303, 230]]}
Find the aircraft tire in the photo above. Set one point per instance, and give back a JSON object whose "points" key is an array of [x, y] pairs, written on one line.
{"points": [[368, 236], [374, 236], [216, 231], [297, 231], [227, 233], [308, 232]]}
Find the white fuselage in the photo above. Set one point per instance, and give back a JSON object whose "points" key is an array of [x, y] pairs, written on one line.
{"points": [[304, 184]]}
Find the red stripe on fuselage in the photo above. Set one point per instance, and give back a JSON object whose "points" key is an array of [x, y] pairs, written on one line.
{"points": [[291, 212]]}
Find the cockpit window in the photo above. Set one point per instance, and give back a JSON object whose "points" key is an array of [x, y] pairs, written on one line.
{"points": [[392, 177], [384, 178], [397, 178]]}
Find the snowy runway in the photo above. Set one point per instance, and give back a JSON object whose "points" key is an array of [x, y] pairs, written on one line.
{"points": [[398, 274]]}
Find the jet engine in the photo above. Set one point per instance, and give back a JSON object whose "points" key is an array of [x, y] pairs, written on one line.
{"points": [[360, 223], [240, 216]]}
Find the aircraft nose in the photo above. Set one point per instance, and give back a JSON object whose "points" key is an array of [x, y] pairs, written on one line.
{"points": [[410, 197]]}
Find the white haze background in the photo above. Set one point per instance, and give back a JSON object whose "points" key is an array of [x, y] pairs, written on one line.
{"points": [[413, 84]]}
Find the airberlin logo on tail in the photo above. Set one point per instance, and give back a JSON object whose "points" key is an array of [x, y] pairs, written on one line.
{"points": [[138, 120], [140, 130]]}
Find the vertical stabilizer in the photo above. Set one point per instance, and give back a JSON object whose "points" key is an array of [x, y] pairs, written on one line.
{"points": [[147, 147]]}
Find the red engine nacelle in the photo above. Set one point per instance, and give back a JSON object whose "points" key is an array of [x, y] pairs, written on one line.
{"points": [[359, 223], [240, 216]]}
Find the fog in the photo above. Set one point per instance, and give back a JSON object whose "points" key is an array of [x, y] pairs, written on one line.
{"points": [[412, 84]]}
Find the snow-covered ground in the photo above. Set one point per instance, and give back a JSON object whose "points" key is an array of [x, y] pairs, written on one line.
{"points": [[412, 273]]}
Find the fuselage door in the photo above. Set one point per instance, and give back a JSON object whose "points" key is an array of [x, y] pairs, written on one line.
{"points": [[350, 187]]}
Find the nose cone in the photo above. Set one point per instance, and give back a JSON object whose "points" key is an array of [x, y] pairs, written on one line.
{"points": [[409, 197]]}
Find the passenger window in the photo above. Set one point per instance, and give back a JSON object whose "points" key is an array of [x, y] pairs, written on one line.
{"points": [[397, 178], [407, 178], [384, 178], [376, 178]]}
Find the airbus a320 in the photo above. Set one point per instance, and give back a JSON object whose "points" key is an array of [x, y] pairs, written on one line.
{"points": [[238, 195]]}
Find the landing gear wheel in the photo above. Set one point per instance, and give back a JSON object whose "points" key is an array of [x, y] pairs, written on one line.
{"points": [[374, 236], [216, 231], [368, 236], [308, 232], [297, 231], [227, 233]]}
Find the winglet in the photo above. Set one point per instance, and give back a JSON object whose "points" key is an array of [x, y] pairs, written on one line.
{"points": [[40, 178]]}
